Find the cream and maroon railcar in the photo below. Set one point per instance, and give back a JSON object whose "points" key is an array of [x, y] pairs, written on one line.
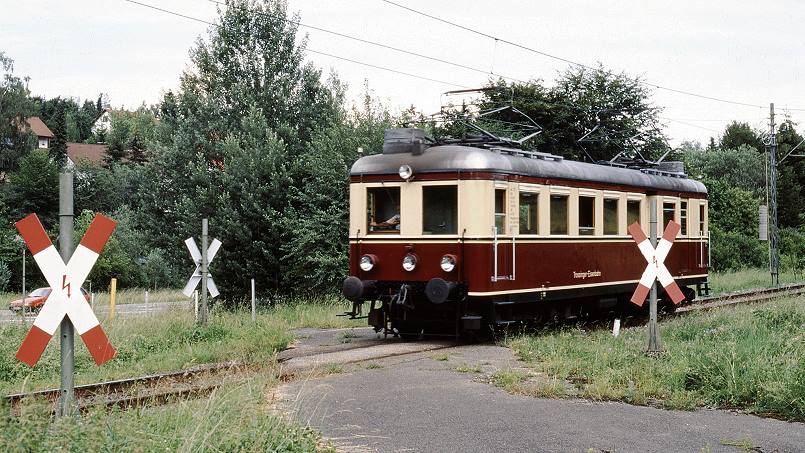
{"points": [[454, 238]]}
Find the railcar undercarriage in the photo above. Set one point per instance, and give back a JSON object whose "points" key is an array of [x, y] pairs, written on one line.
{"points": [[408, 310]]}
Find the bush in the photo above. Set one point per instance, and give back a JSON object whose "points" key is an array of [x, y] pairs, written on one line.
{"points": [[735, 251], [5, 276]]}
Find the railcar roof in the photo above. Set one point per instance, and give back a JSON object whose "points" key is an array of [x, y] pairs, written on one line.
{"points": [[451, 158]]}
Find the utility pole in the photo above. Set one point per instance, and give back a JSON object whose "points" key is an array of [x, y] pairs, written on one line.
{"points": [[653, 330], [774, 252], [203, 310], [67, 341]]}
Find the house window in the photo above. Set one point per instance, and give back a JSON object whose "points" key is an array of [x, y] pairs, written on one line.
{"points": [[500, 211], [559, 214], [586, 216], [668, 213], [440, 210], [383, 209], [610, 216], [632, 211], [683, 217], [528, 212]]}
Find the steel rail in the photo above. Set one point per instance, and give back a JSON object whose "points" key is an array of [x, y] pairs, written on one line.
{"points": [[114, 393], [744, 296]]}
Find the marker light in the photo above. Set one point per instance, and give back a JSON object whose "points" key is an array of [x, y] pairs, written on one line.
{"points": [[367, 263], [409, 262], [448, 263]]}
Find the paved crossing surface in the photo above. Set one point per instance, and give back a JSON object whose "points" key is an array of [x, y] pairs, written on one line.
{"points": [[420, 402]]}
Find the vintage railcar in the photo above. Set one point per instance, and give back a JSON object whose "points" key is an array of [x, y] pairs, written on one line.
{"points": [[453, 238]]}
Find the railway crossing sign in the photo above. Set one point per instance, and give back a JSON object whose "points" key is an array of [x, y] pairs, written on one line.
{"points": [[195, 253], [655, 269], [65, 280]]}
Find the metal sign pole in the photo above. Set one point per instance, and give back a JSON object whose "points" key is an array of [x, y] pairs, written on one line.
{"points": [[67, 343], [23, 282], [203, 311], [254, 314], [653, 331]]}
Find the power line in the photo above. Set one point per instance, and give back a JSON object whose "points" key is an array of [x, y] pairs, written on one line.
{"points": [[185, 16], [556, 57], [379, 44], [689, 124], [383, 68]]}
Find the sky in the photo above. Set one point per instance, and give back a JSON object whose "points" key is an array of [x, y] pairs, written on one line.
{"points": [[747, 52]]}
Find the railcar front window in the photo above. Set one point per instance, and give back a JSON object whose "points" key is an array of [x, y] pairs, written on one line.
{"points": [[586, 216], [610, 216], [632, 212], [558, 214], [439, 210], [668, 213], [500, 210], [683, 217], [528, 213], [383, 209]]}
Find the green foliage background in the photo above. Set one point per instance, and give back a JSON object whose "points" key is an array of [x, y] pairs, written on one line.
{"points": [[261, 143]]}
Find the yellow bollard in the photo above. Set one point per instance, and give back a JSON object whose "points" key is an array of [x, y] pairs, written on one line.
{"points": [[112, 294]]}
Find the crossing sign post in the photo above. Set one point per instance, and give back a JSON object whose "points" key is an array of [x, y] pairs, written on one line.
{"points": [[655, 253], [66, 307], [66, 299], [202, 258]]}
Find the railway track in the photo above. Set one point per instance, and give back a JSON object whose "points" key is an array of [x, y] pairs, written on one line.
{"points": [[152, 389], [747, 296], [162, 388]]}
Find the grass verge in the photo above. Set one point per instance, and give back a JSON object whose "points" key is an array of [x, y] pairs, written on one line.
{"points": [[234, 418], [725, 282], [169, 341], [750, 357]]}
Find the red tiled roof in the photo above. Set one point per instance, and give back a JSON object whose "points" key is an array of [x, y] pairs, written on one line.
{"points": [[90, 152], [38, 127]]}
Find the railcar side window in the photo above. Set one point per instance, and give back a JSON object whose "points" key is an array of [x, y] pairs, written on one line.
{"points": [[701, 219], [439, 210], [500, 210], [610, 216], [683, 217], [383, 209], [632, 211], [528, 212], [558, 214], [668, 213], [586, 216]]}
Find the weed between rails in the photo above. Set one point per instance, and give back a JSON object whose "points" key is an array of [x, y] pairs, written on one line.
{"points": [[745, 357]]}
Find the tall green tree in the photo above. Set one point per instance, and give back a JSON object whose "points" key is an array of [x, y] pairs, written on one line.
{"points": [[58, 146], [15, 107], [34, 188], [738, 134], [613, 109], [245, 115]]}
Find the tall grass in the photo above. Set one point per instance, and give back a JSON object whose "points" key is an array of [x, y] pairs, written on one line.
{"points": [[725, 282], [234, 418], [748, 357], [169, 341]]}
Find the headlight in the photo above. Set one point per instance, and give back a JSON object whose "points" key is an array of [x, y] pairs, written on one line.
{"points": [[448, 263], [367, 263], [409, 262], [406, 172]]}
